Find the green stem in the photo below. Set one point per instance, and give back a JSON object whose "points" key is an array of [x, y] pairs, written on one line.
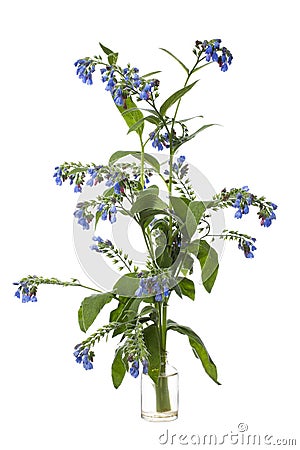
{"points": [[142, 162], [163, 403], [87, 287]]}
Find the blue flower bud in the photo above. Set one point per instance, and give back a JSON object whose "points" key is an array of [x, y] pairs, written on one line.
{"points": [[238, 214]]}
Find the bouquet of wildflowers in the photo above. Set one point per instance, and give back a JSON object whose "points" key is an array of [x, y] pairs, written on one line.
{"points": [[176, 228]]}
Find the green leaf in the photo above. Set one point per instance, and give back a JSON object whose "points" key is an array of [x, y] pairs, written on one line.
{"points": [[151, 160], [130, 110], [177, 59], [150, 74], [188, 213], [127, 285], [151, 338], [190, 118], [175, 97], [191, 136], [152, 119], [132, 116], [106, 50], [118, 368], [148, 200], [208, 258], [187, 264], [113, 58], [198, 209], [147, 215], [198, 348], [187, 288], [91, 307]]}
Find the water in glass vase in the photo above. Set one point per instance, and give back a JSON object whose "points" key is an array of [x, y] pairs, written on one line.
{"points": [[159, 402]]}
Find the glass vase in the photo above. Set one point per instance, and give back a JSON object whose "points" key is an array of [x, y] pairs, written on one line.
{"points": [[159, 402]]}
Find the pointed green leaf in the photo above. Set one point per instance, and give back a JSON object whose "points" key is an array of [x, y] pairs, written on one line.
{"points": [[113, 58], [208, 258], [90, 308], [151, 160], [175, 97], [177, 59], [118, 368], [191, 136], [198, 209], [148, 201], [198, 348], [147, 75], [127, 285], [151, 338], [130, 110], [187, 288], [106, 50], [133, 115]]}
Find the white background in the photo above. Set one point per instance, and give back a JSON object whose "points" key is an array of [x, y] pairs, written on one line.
{"points": [[250, 321]]}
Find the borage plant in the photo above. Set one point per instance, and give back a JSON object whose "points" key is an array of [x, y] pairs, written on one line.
{"points": [[177, 230]]}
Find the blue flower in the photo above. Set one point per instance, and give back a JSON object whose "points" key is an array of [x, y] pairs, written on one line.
{"points": [[117, 188], [104, 215], [97, 239], [85, 68], [158, 298], [18, 294], [181, 159], [77, 188], [78, 213], [246, 209], [224, 67], [84, 223], [238, 214], [145, 93], [110, 85], [118, 99], [248, 248], [112, 218], [84, 356], [134, 369], [145, 366], [217, 44]]}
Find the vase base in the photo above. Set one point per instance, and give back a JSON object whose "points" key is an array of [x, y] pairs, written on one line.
{"points": [[167, 416]]}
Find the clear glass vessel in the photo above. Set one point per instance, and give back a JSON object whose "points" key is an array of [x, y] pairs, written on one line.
{"points": [[159, 402]]}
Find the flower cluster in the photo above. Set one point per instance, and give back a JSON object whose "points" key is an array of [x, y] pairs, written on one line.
{"points": [[215, 53], [85, 69], [241, 203], [179, 168], [122, 83], [85, 356], [27, 286], [64, 172], [268, 216], [26, 290], [134, 369], [248, 247], [242, 199], [105, 209], [159, 141], [101, 244], [114, 175], [116, 255], [154, 286]]}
